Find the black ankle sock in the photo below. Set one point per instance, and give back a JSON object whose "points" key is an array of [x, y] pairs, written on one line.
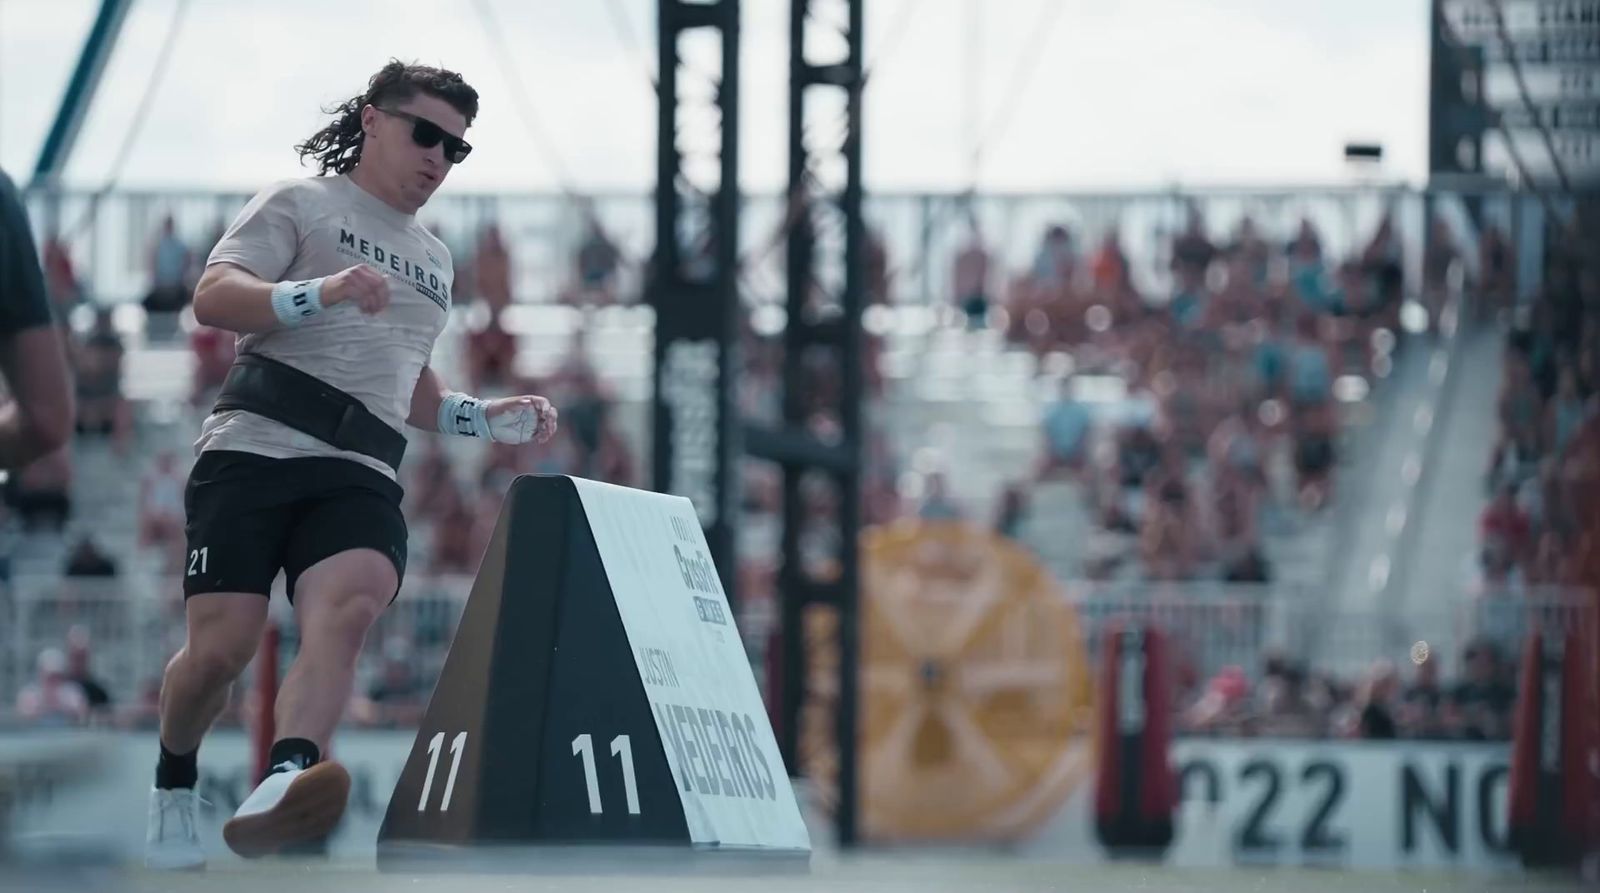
{"points": [[177, 770], [297, 751]]}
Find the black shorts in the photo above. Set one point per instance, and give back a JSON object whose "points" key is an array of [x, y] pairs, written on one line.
{"points": [[249, 516]]}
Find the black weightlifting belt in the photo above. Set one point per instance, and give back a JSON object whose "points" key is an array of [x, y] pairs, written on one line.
{"points": [[309, 405]]}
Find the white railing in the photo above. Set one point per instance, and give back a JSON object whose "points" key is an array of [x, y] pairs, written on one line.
{"points": [[135, 623], [110, 233]]}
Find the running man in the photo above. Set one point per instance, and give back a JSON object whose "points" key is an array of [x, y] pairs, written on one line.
{"points": [[337, 294]]}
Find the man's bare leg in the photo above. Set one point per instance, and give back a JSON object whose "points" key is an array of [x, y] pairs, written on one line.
{"points": [[336, 602]]}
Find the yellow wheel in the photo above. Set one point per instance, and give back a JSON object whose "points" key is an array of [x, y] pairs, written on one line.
{"points": [[975, 690]]}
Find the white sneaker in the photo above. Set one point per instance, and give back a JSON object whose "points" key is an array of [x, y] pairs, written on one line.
{"points": [[291, 806], [172, 837]]}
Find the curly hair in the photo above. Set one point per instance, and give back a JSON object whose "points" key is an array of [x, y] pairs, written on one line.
{"points": [[337, 147]]}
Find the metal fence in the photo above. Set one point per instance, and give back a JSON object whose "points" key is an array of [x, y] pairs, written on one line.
{"points": [[135, 624], [109, 236]]}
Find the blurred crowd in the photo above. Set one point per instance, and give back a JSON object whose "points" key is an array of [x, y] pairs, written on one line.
{"points": [[1228, 369], [1231, 374], [1538, 526], [1286, 699]]}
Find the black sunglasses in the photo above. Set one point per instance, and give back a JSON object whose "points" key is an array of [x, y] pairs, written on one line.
{"points": [[427, 134]]}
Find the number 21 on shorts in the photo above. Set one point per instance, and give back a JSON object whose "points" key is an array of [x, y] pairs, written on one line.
{"points": [[198, 559]]}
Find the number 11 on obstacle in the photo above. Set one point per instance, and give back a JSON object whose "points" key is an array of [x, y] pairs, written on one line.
{"points": [[583, 746], [434, 746]]}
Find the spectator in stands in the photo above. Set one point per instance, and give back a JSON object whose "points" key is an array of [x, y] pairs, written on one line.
{"points": [[102, 408], [880, 278], [1223, 707], [937, 503], [453, 534], [1235, 506], [1566, 410], [1012, 512], [1284, 709], [1067, 427], [1438, 256], [214, 350], [161, 515], [87, 559], [79, 654], [1421, 707], [169, 268], [491, 268], [1497, 270], [1376, 702], [1505, 534], [429, 493], [598, 261], [1109, 265], [40, 493], [1481, 703], [1192, 253], [1136, 454], [1252, 252], [1313, 415], [452, 548], [1551, 565], [970, 278], [1307, 275], [397, 697], [880, 484], [52, 699], [1056, 263], [491, 354], [1168, 546], [1381, 262], [1519, 442], [60, 278]]}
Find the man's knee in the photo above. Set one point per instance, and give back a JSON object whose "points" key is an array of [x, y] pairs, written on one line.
{"points": [[340, 599], [356, 612], [224, 633], [220, 660]]}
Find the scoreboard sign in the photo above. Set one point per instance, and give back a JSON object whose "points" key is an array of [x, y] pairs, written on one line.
{"points": [[596, 692], [1556, 48], [696, 675]]}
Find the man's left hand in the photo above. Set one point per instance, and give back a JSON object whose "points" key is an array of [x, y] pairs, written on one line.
{"points": [[521, 419]]}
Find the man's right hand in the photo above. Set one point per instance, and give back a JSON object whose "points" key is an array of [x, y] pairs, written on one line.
{"points": [[360, 285]]}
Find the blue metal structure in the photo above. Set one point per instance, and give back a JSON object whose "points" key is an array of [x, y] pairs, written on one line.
{"points": [[75, 105]]}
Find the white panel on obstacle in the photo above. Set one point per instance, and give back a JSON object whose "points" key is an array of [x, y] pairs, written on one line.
{"points": [[696, 674]]}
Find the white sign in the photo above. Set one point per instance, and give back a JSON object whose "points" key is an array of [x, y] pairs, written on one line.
{"points": [[1546, 84], [1578, 150], [1378, 806], [1474, 20], [1360, 805], [719, 744]]}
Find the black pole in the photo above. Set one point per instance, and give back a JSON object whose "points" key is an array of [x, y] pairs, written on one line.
{"points": [[797, 268], [693, 288], [850, 411], [834, 327]]}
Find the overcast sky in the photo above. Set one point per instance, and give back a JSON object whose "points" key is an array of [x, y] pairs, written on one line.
{"points": [[1127, 93]]}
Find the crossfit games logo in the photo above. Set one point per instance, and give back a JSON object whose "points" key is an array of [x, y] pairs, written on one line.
{"points": [[689, 390]]}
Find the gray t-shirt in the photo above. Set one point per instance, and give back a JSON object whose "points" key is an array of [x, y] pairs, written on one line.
{"points": [[318, 226]]}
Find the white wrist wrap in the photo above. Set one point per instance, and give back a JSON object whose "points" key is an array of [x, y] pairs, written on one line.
{"points": [[296, 302], [463, 416]]}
